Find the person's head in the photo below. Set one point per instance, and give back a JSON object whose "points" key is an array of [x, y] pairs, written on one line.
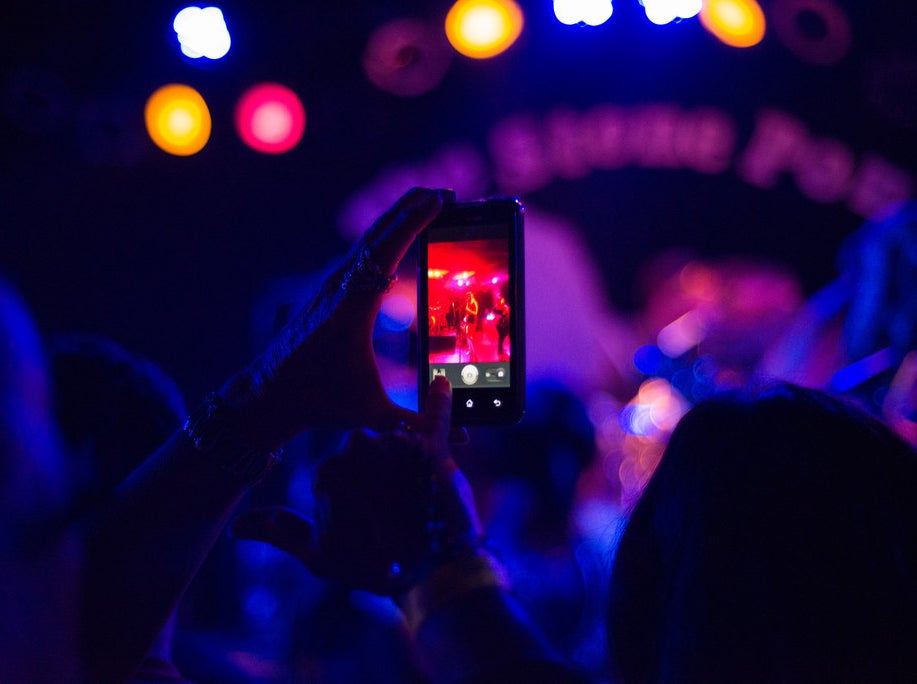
{"points": [[40, 555], [114, 407], [776, 541], [537, 462], [348, 636]]}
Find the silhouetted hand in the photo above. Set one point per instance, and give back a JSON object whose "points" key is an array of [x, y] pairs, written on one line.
{"points": [[320, 369], [899, 407]]}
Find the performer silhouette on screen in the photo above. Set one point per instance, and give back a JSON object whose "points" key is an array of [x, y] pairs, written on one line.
{"points": [[501, 310], [471, 309]]}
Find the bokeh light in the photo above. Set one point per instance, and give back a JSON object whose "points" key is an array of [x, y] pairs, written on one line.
{"points": [[483, 28], [682, 334], [202, 32], [649, 360], [666, 11], [406, 57], [590, 12], [738, 23], [817, 31], [36, 100], [178, 120], [645, 425], [270, 118], [396, 313]]}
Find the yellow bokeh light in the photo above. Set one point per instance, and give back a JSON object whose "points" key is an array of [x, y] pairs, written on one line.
{"points": [[178, 120], [483, 28], [739, 23]]}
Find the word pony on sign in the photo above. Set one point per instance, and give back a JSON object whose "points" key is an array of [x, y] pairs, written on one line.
{"points": [[825, 170], [529, 152]]}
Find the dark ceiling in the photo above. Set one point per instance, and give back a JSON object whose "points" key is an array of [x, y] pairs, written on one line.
{"points": [[102, 231]]}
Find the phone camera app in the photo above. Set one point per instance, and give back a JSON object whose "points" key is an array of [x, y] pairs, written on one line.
{"points": [[494, 374], [470, 374]]}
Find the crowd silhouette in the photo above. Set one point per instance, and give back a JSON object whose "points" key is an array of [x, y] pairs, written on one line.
{"points": [[775, 541]]}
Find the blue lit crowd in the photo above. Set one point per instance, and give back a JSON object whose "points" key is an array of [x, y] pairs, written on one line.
{"points": [[735, 504]]}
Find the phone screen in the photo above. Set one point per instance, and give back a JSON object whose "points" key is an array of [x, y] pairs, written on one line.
{"points": [[471, 323]]}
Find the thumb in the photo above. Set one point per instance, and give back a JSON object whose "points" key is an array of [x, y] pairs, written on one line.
{"points": [[282, 528], [437, 418]]}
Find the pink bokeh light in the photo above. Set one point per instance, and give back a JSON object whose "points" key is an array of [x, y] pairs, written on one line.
{"points": [[270, 118]]}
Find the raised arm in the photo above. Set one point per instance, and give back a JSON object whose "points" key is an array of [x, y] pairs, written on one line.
{"points": [[145, 546]]}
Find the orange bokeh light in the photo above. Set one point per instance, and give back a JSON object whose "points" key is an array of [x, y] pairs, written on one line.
{"points": [[483, 28], [178, 120], [738, 23]]}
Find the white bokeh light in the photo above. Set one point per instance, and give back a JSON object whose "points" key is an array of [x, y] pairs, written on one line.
{"points": [[666, 11], [591, 12], [202, 32]]}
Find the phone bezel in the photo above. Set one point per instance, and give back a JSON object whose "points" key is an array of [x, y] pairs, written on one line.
{"points": [[500, 217]]}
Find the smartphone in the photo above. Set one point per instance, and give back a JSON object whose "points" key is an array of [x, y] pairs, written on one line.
{"points": [[471, 323]]}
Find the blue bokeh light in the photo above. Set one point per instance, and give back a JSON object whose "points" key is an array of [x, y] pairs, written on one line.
{"points": [[649, 360]]}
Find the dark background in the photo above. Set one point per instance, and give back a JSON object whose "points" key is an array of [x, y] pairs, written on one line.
{"points": [[103, 232]]}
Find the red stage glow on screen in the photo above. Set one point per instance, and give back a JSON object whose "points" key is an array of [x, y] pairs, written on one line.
{"points": [[466, 306], [270, 118]]}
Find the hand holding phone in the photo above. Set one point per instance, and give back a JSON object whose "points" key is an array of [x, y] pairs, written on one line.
{"points": [[470, 309]]}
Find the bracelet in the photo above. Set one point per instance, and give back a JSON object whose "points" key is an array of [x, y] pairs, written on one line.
{"points": [[211, 435], [451, 580]]}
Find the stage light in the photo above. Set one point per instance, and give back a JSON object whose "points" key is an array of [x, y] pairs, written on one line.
{"points": [[406, 57], [738, 23], [396, 313], [177, 119], [202, 32], [649, 360], [825, 42], [270, 118], [37, 101], [655, 411], [682, 334], [483, 28], [666, 11], [591, 12]]}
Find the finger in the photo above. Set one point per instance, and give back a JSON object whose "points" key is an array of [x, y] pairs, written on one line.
{"points": [[394, 417], [437, 417], [282, 528], [902, 391], [459, 436], [390, 237]]}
